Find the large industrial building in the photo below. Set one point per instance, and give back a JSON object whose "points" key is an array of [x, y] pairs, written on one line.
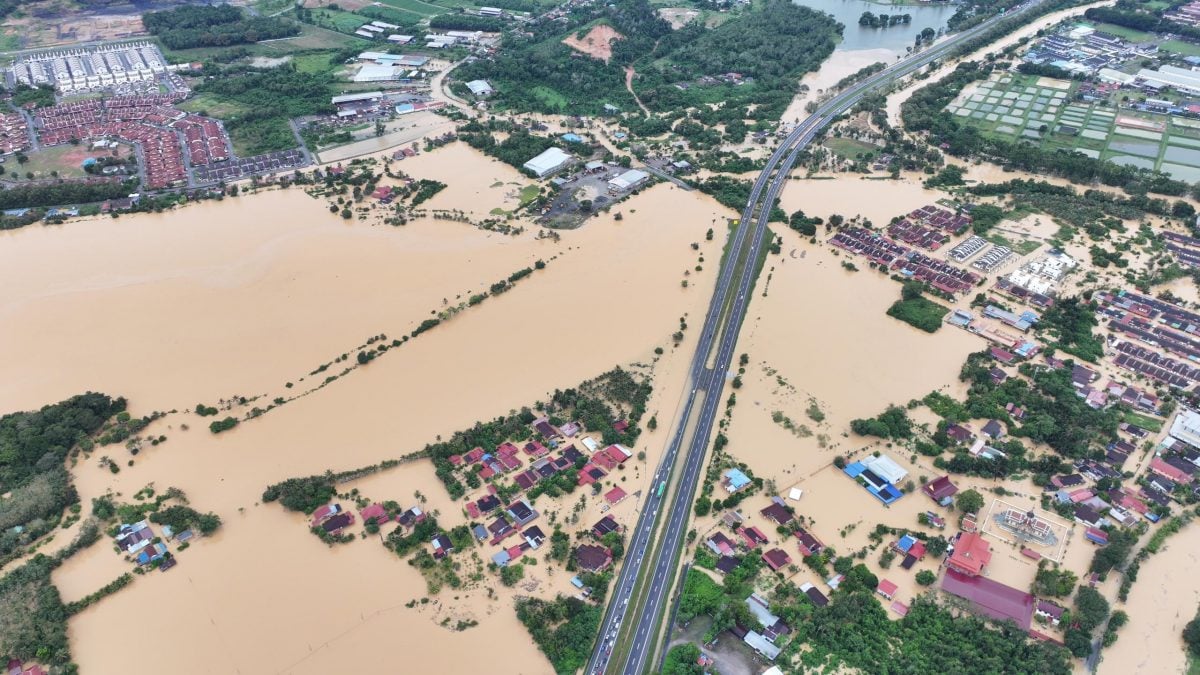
{"points": [[549, 162]]}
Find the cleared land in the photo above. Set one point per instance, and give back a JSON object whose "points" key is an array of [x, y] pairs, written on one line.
{"points": [[597, 43]]}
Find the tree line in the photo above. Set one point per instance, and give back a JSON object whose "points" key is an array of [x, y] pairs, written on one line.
{"points": [[214, 26]]}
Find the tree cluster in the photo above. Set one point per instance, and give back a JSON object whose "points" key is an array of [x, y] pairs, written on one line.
{"points": [[214, 26]]}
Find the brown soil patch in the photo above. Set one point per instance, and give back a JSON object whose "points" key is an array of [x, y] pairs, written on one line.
{"points": [[597, 43], [678, 17]]}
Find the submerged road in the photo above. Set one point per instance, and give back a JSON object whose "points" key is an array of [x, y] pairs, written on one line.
{"points": [[650, 561]]}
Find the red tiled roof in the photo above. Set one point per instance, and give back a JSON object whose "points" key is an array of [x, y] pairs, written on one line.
{"points": [[971, 554], [1161, 468], [753, 536], [615, 495], [991, 598], [886, 587], [940, 488], [374, 512], [776, 558]]}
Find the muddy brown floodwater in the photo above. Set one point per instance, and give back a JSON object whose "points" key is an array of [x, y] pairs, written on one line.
{"points": [[1164, 598], [243, 295]]}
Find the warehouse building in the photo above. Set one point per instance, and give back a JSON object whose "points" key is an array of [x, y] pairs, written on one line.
{"points": [[630, 180], [480, 87], [549, 162]]}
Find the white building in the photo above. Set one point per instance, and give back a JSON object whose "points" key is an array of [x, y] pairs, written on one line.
{"points": [[550, 161], [490, 11], [1186, 427], [886, 468], [400, 39], [1186, 81], [480, 87], [628, 181], [1115, 76], [374, 72], [355, 98]]}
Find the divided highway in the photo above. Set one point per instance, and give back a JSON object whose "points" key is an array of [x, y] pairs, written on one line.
{"points": [[630, 629]]}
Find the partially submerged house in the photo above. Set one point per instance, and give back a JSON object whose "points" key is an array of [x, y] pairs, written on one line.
{"points": [[940, 490], [776, 559], [592, 558], [971, 555]]}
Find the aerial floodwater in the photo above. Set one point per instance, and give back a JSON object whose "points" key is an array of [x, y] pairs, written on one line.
{"points": [[895, 38]]}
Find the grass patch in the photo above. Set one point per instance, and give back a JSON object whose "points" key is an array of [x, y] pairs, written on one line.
{"points": [[1144, 421], [315, 62], [849, 148], [212, 105], [343, 22], [1021, 247], [529, 193], [1127, 33], [919, 312], [414, 6], [550, 97], [1181, 47]]}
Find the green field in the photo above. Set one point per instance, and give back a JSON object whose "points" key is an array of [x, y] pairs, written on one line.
{"points": [[67, 160], [315, 62], [1144, 421], [1018, 109], [849, 148], [214, 106], [1177, 46], [344, 22], [1127, 33], [415, 6], [551, 97]]}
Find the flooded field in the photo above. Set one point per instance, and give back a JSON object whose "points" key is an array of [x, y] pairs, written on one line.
{"points": [[245, 294], [843, 195]]}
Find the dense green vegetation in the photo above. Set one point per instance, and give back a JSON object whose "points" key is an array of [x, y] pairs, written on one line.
{"points": [[916, 310], [33, 619], [854, 632], [302, 494], [268, 99], [681, 660], [1071, 321], [1191, 636], [1091, 610], [735, 194], [520, 146], [1053, 581], [563, 628], [214, 26], [33, 509], [1127, 15], [180, 518], [891, 423], [424, 190], [467, 22], [26, 196], [773, 42], [38, 441], [1055, 415], [1096, 212], [38, 97]]}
